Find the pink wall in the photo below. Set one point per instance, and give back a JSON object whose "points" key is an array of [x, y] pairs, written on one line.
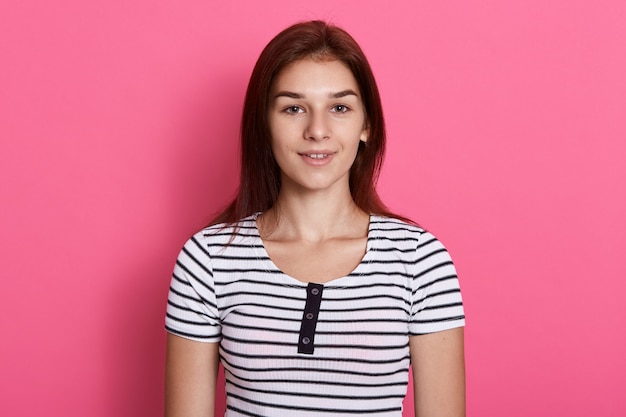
{"points": [[118, 126]]}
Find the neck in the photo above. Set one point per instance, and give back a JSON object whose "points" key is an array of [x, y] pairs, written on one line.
{"points": [[314, 217]]}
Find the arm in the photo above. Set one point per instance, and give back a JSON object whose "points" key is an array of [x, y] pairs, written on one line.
{"points": [[438, 373], [190, 377]]}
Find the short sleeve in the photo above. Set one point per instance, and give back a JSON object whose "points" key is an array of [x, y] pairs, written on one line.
{"points": [[192, 310], [436, 302]]}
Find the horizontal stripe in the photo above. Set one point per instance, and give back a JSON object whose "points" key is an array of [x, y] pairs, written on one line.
{"points": [[330, 411], [312, 358], [315, 395], [226, 288]]}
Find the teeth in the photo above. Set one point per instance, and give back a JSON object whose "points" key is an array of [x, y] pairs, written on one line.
{"points": [[318, 155]]}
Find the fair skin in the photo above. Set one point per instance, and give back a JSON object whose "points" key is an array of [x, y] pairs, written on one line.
{"points": [[317, 119], [190, 377], [438, 374]]}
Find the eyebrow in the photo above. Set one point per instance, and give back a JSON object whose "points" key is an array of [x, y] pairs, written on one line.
{"points": [[339, 94]]}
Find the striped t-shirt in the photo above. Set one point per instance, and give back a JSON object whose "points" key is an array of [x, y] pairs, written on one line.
{"points": [[295, 349]]}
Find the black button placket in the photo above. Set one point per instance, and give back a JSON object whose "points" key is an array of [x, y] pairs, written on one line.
{"points": [[309, 318]]}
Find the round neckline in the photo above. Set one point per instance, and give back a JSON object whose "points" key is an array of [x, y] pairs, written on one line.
{"points": [[260, 248]]}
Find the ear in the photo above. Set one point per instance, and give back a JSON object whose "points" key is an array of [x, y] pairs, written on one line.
{"points": [[365, 133]]}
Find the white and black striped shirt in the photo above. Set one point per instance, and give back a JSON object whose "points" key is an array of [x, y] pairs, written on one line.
{"points": [[295, 349]]}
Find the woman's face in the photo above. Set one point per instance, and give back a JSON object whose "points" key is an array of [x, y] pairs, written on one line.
{"points": [[316, 118]]}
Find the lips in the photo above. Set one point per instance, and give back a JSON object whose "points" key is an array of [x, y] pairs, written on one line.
{"points": [[323, 153], [317, 158]]}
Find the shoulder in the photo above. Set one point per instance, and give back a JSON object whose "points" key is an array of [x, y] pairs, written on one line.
{"points": [[223, 235], [224, 232], [396, 232], [389, 234], [394, 225]]}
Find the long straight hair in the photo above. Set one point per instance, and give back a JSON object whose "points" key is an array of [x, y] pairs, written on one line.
{"points": [[260, 179]]}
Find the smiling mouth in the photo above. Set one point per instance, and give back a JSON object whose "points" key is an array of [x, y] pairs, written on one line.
{"points": [[317, 159]]}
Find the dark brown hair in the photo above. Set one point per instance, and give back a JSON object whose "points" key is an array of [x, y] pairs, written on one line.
{"points": [[260, 175]]}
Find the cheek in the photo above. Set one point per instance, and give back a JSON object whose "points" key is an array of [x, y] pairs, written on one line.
{"points": [[281, 149], [280, 134]]}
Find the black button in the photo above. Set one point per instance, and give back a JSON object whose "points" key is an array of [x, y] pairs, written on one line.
{"points": [[306, 340], [309, 316]]}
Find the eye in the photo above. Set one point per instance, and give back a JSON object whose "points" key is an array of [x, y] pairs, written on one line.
{"points": [[340, 108], [293, 110]]}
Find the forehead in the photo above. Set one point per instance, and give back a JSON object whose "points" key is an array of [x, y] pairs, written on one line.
{"points": [[308, 74]]}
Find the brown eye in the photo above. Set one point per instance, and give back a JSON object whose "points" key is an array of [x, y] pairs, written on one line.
{"points": [[293, 110], [340, 108]]}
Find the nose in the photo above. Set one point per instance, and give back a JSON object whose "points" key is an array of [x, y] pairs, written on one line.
{"points": [[318, 127]]}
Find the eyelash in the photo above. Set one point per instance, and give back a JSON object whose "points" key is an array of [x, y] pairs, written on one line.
{"points": [[298, 109], [346, 108], [292, 109]]}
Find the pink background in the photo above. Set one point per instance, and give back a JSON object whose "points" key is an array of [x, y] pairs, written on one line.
{"points": [[507, 139]]}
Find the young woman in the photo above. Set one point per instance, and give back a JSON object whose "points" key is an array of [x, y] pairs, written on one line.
{"points": [[313, 296]]}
